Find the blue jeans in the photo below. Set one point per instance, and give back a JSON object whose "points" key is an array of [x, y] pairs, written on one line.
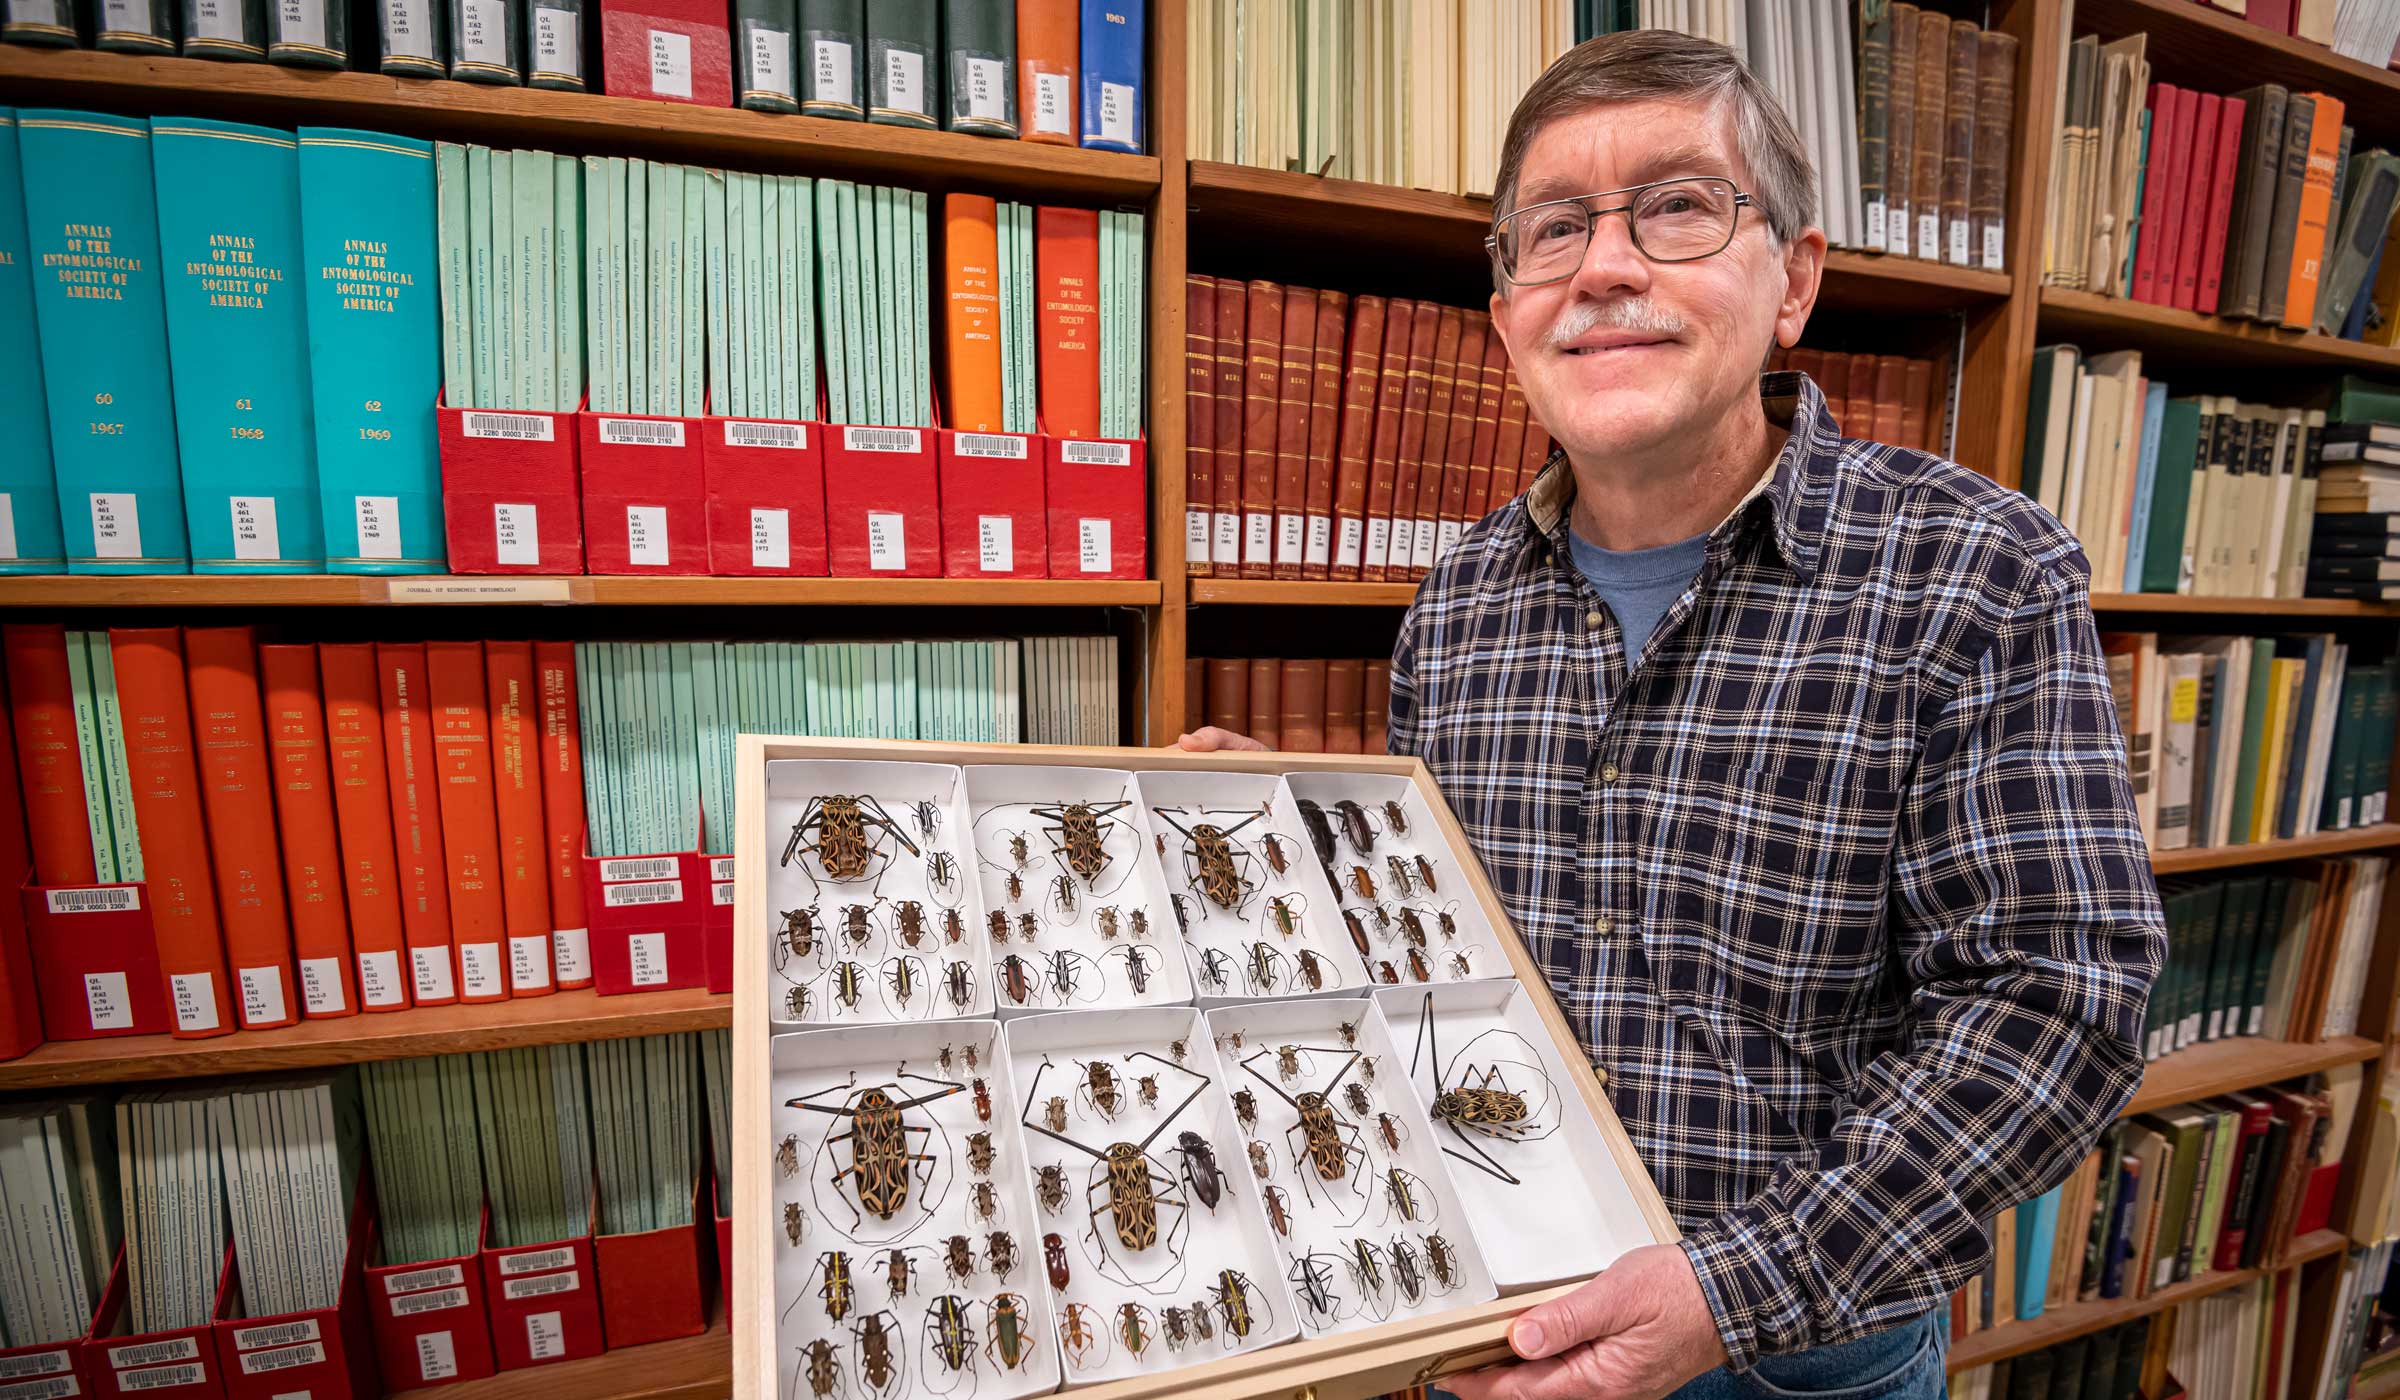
{"points": [[1902, 1362]]}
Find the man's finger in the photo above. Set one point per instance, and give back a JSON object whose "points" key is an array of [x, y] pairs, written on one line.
{"points": [[1596, 1309], [1482, 1383]]}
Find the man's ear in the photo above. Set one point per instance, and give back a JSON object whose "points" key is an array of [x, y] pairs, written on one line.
{"points": [[1803, 276]]}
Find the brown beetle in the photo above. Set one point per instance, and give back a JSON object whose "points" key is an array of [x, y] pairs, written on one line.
{"points": [[800, 932], [1079, 837], [1358, 931], [1245, 1108], [824, 1373], [787, 1155], [795, 1004], [1054, 1258], [880, 1149], [1312, 970], [1388, 973], [1389, 1127], [1355, 826], [897, 1271], [1016, 887], [1358, 1098], [875, 1359], [1016, 979], [1104, 919], [1100, 1082], [1209, 860], [836, 1289], [958, 1256], [840, 824], [1172, 1323], [854, 924], [979, 1153], [983, 1102], [1287, 1062], [954, 928], [1050, 1187], [986, 1199], [1179, 1050], [1412, 928], [1062, 894], [1000, 1253], [1078, 1333], [1417, 966], [1362, 882], [1139, 921], [1399, 1194], [1146, 1089], [1425, 875], [795, 1222], [1403, 879], [1054, 1113], [1017, 850], [912, 921], [1271, 846], [1028, 928], [1459, 968], [998, 923], [1258, 1160], [1279, 1209], [1284, 912], [1442, 1260], [1395, 816]]}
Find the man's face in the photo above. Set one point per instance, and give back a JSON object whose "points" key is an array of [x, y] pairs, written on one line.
{"points": [[1627, 353]]}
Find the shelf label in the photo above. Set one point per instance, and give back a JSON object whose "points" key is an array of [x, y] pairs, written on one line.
{"points": [[642, 432], [478, 590], [437, 1356], [617, 868], [378, 524], [1091, 545], [1053, 95], [321, 986], [557, 43], [646, 533], [105, 998], [770, 60], [379, 979], [646, 959], [995, 543], [195, 998], [516, 533], [670, 64], [116, 526], [254, 534], [832, 73], [887, 540]]}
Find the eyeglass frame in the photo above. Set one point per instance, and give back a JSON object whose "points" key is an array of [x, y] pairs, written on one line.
{"points": [[1741, 198]]}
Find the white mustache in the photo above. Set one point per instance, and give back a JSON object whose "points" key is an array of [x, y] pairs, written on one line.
{"points": [[1626, 314]]}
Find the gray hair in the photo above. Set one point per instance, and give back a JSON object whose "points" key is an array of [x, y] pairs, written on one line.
{"points": [[1647, 64]]}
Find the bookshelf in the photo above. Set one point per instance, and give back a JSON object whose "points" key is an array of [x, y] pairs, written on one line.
{"points": [[1219, 218]]}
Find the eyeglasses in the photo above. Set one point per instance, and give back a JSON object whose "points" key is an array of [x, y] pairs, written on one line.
{"points": [[1678, 220]]}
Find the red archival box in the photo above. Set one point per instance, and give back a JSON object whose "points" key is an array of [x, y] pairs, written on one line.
{"points": [[667, 50], [95, 960], [510, 502], [650, 1282], [991, 504], [430, 1327], [765, 483], [543, 1301], [1099, 509], [322, 1353], [180, 1364], [647, 915], [882, 503], [645, 510]]}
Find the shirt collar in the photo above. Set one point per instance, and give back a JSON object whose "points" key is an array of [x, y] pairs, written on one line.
{"points": [[1797, 488]]}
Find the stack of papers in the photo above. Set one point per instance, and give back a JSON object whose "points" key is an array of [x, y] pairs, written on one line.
{"points": [[532, 1116], [645, 1138], [170, 1176], [289, 1148], [58, 1199], [428, 1173]]}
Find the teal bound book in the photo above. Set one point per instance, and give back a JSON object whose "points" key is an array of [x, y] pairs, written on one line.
{"points": [[374, 347], [92, 238], [29, 538], [237, 341]]}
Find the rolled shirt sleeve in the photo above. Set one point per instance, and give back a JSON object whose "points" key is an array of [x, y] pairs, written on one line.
{"points": [[2027, 929]]}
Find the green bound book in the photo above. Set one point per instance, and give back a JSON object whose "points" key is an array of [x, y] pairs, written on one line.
{"points": [[455, 253], [484, 43], [2254, 720], [29, 524], [554, 44], [833, 61], [567, 282], [799, 203], [666, 288], [858, 306], [903, 44], [755, 318], [596, 351], [763, 79], [876, 286], [136, 26], [124, 833], [225, 29], [41, 23], [532, 186], [483, 319], [638, 371], [980, 39], [87, 750], [619, 289], [694, 299], [1028, 400], [828, 275], [507, 301], [712, 219], [742, 353], [919, 307], [769, 239]]}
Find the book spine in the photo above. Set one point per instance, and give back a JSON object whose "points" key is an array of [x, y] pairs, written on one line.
{"points": [[567, 283], [833, 62], [305, 817], [1295, 394], [29, 529], [1964, 95], [1112, 48], [91, 215], [1468, 493], [1874, 117], [2261, 164], [2221, 147], [1362, 373], [1067, 253], [133, 26], [763, 76], [363, 816], [1199, 420], [1266, 702], [516, 766], [1391, 395], [50, 756], [1431, 438], [563, 811], [2154, 232], [416, 822], [367, 205], [553, 44], [410, 38], [125, 832], [903, 41], [179, 877], [1324, 432], [235, 790], [980, 43], [1262, 384], [1901, 130], [1376, 737], [1995, 126], [2313, 212], [86, 720], [1932, 117], [233, 30], [971, 313], [484, 44], [1232, 337], [462, 787], [1047, 53], [309, 33]]}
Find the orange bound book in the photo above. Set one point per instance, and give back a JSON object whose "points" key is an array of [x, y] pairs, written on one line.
{"points": [[1383, 462], [1433, 471], [1345, 704], [237, 791], [362, 809], [1425, 329], [2310, 241], [1229, 693], [1324, 431], [1303, 725], [1509, 452], [49, 754], [408, 766], [1066, 251], [971, 312], [1487, 420], [1295, 396], [1046, 79], [1360, 376], [516, 712], [163, 768], [1891, 385], [1225, 543], [1199, 420], [562, 813], [1262, 402], [1378, 704], [312, 853], [462, 768], [1266, 701], [1458, 449]]}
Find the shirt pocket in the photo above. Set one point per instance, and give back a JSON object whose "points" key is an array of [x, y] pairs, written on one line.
{"points": [[1772, 899]]}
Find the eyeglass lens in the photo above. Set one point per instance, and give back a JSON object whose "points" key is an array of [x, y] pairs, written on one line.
{"points": [[1676, 221]]}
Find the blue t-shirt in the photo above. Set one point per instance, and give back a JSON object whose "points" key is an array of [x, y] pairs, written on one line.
{"points": [[1639, 585]]}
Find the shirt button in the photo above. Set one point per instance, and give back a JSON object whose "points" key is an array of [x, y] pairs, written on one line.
{"points": [[1591, 619], [1603, 924], [1608, 772]]}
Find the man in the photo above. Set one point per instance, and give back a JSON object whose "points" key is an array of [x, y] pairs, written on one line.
{"points": [[1792, 757]]}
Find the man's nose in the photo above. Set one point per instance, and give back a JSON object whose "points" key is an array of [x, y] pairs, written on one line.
{"points": [[1612, 265]]}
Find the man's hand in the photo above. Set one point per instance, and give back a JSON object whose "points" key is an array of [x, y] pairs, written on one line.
{"points": [[1636, 1332], [1210, 739]]}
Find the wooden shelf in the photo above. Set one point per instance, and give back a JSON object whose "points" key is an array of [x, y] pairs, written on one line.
{"points": [[687, 1368], [2057, 1324], [2187, 335], [1288, 593], [1257, 205], [2196, 44], [572, 122], [2241, 1062], [2330, 843], [2242, 607], [432, 1030], [1305, 593], [348, 590]]}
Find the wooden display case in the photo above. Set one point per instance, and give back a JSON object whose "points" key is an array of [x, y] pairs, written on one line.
{"points": [[1345, 1364]]}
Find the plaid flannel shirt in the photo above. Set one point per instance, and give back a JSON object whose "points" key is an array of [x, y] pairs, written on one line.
{"points": [[1841, 881]]}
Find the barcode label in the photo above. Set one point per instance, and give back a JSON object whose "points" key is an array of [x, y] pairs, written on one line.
{"points": [[887, 540], [636, 868], [275, 1334], [542, 1285], [720, 867], [721, 893], [881, 439], [790, 436], [995, 543], [1091, 545], [442, 1276], [150, 1353], [510, 427], [260, 1362], [989, 445], [162, 1377], [650, 892], [116, 899], [534, 1261], [641, 432], [437, 1300], [38, 1363], [1096, 454], [49, 1388]]}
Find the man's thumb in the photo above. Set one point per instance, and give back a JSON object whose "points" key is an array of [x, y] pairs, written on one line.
{"points": [[1587, 1313]]}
